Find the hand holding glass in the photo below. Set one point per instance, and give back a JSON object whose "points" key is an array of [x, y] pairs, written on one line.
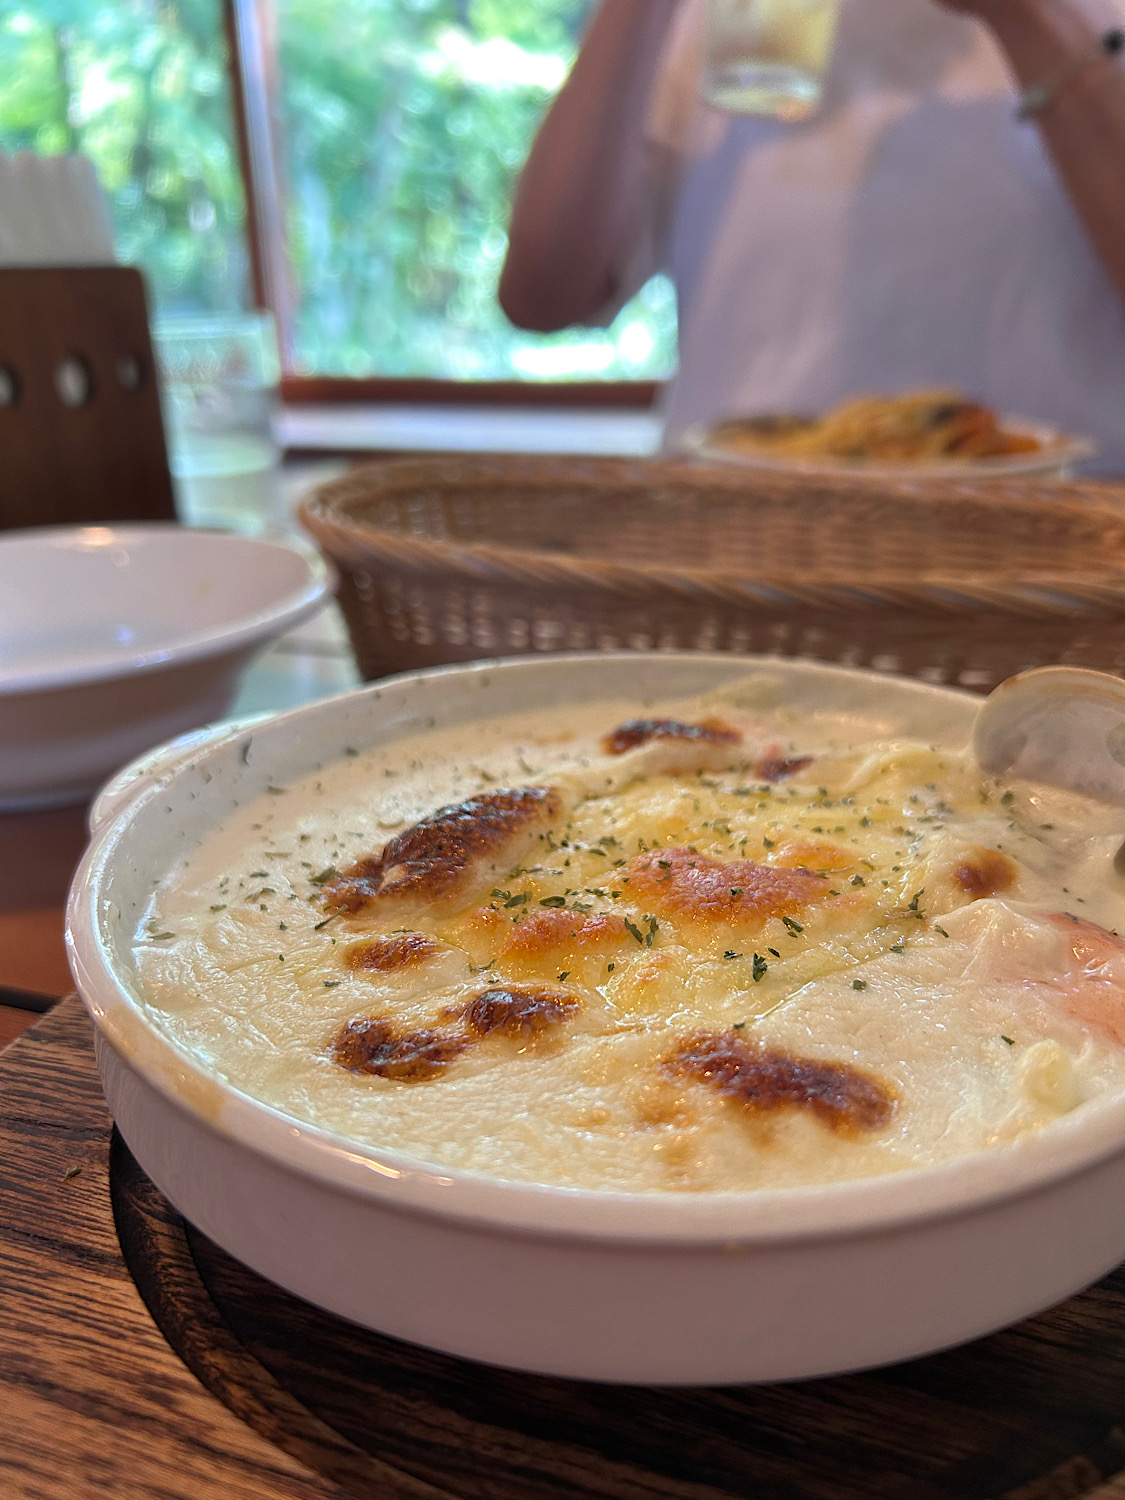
{"points": [[768, 57]]}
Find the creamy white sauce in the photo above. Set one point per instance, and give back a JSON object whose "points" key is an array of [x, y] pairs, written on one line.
{"points": [[979, 1017]]}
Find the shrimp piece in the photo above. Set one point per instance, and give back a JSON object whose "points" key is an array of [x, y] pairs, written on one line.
{"points": [[1071, 966], [1095, 983]]}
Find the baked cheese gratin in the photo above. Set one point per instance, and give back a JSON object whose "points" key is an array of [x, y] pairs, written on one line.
{"points": [[692, 947]]}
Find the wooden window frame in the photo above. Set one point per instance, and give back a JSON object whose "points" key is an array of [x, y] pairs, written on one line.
{"points": [[250, 46]]}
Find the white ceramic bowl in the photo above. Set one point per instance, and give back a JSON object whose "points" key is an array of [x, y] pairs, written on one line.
{"points": [[114, 638], [654, 1288], [1056, 458]]}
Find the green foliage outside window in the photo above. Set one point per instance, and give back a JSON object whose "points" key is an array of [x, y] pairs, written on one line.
{"points": [[403, 124], [140, 87]]}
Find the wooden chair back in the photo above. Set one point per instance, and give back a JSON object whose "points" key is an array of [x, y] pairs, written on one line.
{"points": [[81, 435]]}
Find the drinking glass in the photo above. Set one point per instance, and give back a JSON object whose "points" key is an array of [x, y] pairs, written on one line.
{"points": [[219, 380], [768, 57]]}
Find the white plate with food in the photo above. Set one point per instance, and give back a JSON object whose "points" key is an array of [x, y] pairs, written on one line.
{"points": [[920, 435], [668, 1019]]}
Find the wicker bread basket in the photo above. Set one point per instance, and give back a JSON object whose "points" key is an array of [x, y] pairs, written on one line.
{"points": [[450, 559]]}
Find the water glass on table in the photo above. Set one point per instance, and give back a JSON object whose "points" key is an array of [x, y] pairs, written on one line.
{"points": [[768, 57], [219, 382]]}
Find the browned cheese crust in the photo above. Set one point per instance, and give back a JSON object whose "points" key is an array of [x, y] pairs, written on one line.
{"points": [[636, 732], [984, 872], [777, 768], [545, 932], [385, 955], [433, 860], [694, 887], [812, 854], [517, 1013], [763, 1081], [371, 1044]]}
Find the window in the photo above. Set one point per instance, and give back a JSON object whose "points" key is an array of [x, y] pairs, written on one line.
{"points": [[384, 138], [142, 89], [403, 124]]}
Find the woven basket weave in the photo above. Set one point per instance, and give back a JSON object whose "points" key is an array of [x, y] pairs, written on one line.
{"points": [[450, 559]]}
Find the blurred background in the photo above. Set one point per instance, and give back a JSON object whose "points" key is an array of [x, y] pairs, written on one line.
{"points": [[348, 167]]}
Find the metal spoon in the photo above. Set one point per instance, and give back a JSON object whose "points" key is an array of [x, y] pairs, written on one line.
{"points": [[1063, 726]]}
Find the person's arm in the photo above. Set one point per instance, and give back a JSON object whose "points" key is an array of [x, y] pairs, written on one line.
{"points": [[1084, 122], [579, 199]]}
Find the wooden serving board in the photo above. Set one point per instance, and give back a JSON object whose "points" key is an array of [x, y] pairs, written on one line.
{"points": [[137, 1359]]}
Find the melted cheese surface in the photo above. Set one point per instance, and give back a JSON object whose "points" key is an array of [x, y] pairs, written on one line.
{"points": [[782, 955]]}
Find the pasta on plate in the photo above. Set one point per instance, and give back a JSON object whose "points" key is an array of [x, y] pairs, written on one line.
{"points": [[917, 428]]}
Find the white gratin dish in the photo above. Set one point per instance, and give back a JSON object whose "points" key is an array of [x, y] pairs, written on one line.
{"points": [[655, 1288]]}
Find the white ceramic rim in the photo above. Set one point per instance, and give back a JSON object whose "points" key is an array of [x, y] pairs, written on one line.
{"points": [[289, 609], [395, 1180], [157, 765], [1059, 450]]}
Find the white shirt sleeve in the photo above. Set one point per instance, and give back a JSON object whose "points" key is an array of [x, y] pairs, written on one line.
{"points": [[668, 130]]}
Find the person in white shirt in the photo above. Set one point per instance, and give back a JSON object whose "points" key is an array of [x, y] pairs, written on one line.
{"points": [[912, 233]]}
